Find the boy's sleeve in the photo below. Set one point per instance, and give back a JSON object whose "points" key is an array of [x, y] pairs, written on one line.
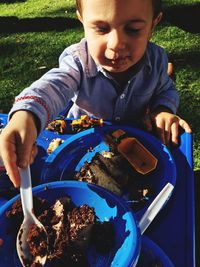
{"points": [[165, 94], [49, 95]]}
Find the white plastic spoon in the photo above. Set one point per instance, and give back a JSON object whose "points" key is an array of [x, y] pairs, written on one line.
{"points": [[29, 220], [155, 207]]}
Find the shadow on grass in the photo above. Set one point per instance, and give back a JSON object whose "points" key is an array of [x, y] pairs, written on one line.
{"points": [[186, 57], [185, 17], [13, 24], [9, 48]]}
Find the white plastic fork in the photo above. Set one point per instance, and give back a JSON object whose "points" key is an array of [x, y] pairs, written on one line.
{"points": [[155, 207], [29, 219]]}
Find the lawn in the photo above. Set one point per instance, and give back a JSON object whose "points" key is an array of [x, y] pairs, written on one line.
{"points": [[26, 54]]}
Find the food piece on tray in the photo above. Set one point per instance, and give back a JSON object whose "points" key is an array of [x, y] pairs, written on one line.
{"points": [[58, 126], [111, 173], [54, 144], [71, 230], [142, 160], [112, 170], [85, 122], [115, 174]]}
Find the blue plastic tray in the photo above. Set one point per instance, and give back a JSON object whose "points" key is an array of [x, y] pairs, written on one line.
{"points": [[174, 227], [173, 230], [73, 153], [3, 120]]}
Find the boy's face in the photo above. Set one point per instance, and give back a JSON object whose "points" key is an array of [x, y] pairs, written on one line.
{"points": [[117, 31]]}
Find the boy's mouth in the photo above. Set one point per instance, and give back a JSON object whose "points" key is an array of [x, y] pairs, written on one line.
{"points": [[119, 62]]}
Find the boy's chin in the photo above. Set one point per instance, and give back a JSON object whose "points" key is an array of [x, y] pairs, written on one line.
{"points": [[116, 69]]}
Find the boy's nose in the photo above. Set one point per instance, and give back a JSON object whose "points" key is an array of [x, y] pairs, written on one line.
{"points": [[115, 41]]}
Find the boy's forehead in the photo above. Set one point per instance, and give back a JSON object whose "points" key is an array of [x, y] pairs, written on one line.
{"points": [[128, 8]]}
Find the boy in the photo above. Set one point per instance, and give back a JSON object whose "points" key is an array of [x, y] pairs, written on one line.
{"points": [[115, 73]]}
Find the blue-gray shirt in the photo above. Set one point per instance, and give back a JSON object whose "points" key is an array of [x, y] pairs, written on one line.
{"points": [[95, 92]]}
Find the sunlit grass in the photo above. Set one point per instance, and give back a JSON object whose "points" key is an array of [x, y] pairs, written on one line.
{"points": [[38, 8]]}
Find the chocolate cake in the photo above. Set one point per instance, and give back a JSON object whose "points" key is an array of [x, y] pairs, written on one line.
{"points": [[112, 171], [70, 229], [106, 171], [15, 214], [36, 240]]}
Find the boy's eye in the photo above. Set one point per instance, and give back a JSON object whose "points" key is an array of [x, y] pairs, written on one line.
{"points": [[132, 30], [101, 29]]}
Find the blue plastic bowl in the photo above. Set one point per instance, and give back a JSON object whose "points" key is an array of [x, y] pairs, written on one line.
{"points": [[74, 152], [108, 207], [152, 255]]}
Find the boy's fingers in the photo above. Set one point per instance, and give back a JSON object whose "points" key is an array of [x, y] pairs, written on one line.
{"points": [[25, 153], [160, 134], [167, 134], [174, 133], [160, 130], [183, 124], [9, 160], [12, 164], [33, 153], [13, 174]]}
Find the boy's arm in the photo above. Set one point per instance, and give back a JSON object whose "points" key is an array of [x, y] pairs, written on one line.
{"points": [[166, 94], [49, 95], [163, 107], [33, 109]]}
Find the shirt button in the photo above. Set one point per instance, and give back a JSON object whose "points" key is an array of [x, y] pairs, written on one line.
{"points": [[122, 96], [117, 118]]}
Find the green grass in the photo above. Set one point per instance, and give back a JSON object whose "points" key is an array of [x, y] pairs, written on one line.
{"points": [[24, 57], [179, 2], [38, 8]]}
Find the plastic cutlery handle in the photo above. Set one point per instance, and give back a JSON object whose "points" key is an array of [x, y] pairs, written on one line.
{"points": [[26, 191], [155, 207]]}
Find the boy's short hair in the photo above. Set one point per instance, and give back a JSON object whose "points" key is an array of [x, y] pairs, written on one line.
{"points": [[78, 6], [157, 6]]}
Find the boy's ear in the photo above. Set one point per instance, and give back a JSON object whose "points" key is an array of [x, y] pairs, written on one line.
{"points": [[157, 20], [79, 16], [154, 23]]}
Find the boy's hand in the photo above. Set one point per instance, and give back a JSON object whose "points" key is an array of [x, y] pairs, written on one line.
{"points": [[166, 126], [17, 144]]}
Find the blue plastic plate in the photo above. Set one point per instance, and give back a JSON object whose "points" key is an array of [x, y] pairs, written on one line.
{"points": [[108, 207], [75, 151]]}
